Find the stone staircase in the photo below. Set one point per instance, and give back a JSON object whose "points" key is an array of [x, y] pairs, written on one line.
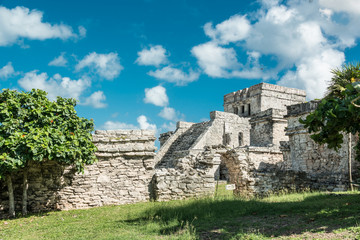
{"points": [[183, 142]]}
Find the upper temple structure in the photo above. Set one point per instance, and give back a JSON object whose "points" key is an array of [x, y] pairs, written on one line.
{"points": [[261, 97], [256, 143]]}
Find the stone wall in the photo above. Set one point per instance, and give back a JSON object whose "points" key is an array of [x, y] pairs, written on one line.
{"points": [[192, 176], [268, 128], [122, 175], [244, 163], [302, 154], [225, 129]]}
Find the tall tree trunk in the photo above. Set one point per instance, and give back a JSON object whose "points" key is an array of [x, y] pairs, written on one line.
{"points": [[11, 196], [349, 161], [25, 189]]}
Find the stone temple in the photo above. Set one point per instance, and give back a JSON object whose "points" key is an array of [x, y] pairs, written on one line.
{"points": [[257, 143]]}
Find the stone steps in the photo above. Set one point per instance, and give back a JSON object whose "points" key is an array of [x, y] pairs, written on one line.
{"points": [[183, 143]]}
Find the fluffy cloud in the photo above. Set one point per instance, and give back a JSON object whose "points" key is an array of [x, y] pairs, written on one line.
{"points": [[313, 73], [154, 56], [215, 60], [175, 75], [279, 15], [55, 86], [20, 22], [157, 96], [105, 65], [111, 125], [7, 71], [305, 38], [96, 100], [59, 61], [220, 62], [168, 113], [144, 124], [234, 29], [350, 6]]}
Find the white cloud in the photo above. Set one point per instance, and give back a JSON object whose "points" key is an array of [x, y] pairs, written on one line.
{"points": [[168, 113], [279, 15], [55, 86], [215, 60], [59, 61], [289, 41], [303, 39], [155, 56], [7, 71], [116, 125], [20, 22], [157, 96], [96, 100], [144, 124], [314, 73], [234, 29], [111, 125], [327, 13], [350, 6], [220, 62], [175, 75], [269, 3], [82, 31], [105, 65]]}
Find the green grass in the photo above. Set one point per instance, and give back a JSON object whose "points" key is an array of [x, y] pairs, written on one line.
{"points": [[287, 216]]}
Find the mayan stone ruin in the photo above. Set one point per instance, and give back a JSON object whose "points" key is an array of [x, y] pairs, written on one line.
{"points": [[257, 143]]}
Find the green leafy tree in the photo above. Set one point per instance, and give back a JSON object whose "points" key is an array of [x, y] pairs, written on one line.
{"points": [[35, 129], [338, 112]]}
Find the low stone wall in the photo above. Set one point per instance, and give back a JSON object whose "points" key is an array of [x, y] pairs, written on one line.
{"points": [[261, 171], [302, 154], [242, 163], [275, 180], [192, 176], [122, 175]]}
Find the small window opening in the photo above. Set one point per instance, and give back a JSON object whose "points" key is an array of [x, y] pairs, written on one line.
{"points": [[236, 110], [240, 138], [249, 109], [242, 109], [227, 139]]}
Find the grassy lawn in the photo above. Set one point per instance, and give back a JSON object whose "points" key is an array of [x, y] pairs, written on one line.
{"points": [[292, 216]]}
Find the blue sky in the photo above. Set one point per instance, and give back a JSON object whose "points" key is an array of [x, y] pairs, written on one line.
{"points": [[149, 63]]}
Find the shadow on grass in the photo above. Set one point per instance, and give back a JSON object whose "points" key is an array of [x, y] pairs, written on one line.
{"points": [[227, 218], [30, 214]]}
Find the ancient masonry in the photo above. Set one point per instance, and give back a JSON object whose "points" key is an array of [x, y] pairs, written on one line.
{"points": [[257, 143]]}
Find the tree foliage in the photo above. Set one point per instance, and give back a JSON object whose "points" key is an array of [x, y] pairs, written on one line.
{"points": [[32, 128], [35, 129], [338, 112]]}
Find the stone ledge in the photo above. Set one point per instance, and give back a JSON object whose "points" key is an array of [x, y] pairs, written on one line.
{"points": [[301, 108]]}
